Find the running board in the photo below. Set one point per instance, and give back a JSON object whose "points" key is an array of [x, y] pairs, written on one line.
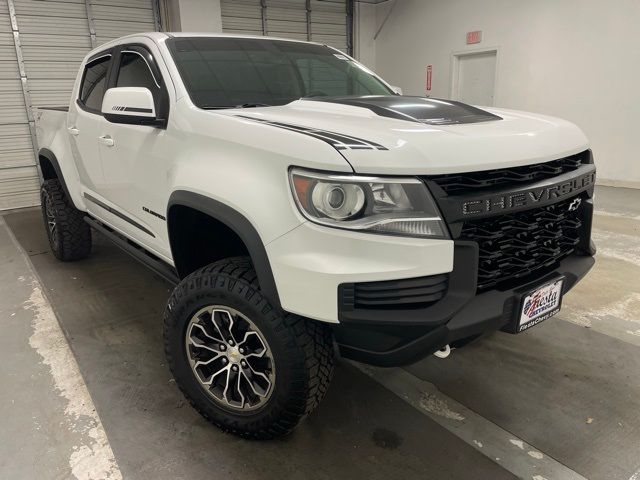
{"points": [[152, 262]]}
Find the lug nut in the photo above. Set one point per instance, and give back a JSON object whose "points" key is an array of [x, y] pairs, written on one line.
{"points": [[231, 342], [234, 368], [241, 350], [224, 361], [243, 363], [223, 347]]}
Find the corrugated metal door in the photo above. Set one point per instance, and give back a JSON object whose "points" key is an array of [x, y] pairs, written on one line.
{"points": [[241, 16], [116, 18], [17, 172], [324, 21], [287, 18], [52, 37], [329, 24]]}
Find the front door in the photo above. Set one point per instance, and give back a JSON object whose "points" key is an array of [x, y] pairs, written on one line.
{"points": [[133, 157]]}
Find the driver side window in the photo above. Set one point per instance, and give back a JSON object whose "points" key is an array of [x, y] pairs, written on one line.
{"points": [[134, 71]]}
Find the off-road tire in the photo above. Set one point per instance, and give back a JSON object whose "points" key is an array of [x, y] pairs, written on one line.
{"points": [[302, 350], [71, 238]]}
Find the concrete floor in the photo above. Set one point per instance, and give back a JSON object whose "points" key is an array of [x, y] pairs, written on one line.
{"points": [[86, 393]]}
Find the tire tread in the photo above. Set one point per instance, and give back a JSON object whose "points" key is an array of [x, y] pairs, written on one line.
{"points": [[74, 234], [311, 341]]}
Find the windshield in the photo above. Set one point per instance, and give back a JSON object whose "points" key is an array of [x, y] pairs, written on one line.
{"points": [[225, 72]]}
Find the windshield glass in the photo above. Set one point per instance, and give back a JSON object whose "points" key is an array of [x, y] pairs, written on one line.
{"points": [[224, 72]]}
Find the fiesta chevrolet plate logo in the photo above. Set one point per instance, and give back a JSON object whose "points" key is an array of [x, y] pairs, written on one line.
{"points": [[529, 198]]}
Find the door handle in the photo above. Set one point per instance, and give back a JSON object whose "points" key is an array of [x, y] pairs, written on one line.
{"points": [[106, 140], [73, 131]]}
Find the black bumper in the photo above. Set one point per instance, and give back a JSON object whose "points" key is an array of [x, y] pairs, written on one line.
{"points": [[395, 338]]}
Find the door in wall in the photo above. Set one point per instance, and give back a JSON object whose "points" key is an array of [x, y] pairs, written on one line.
{"points": [[474, 78]]}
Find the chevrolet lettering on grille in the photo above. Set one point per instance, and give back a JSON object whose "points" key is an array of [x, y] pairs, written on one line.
{"points": [[527, 198]]}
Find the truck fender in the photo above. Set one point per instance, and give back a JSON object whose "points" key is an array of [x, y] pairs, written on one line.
{"points": [[57, 171], [241, 226]]}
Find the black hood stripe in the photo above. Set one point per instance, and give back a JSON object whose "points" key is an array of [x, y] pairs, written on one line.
{"points": [[432, 111], [336, 140]]}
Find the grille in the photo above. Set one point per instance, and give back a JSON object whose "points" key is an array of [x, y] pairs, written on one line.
{"points": [[456, 184], [514, 245], [394, 294]]}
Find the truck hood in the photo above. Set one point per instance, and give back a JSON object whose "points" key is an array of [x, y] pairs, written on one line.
{"points": [[415, 135]]}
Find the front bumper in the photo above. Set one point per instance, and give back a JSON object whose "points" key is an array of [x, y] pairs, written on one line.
{"points": [[401, 299], [510, 240], [384, 341], [310, 262]]}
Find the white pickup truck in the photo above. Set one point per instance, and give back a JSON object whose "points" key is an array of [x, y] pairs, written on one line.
{"points": [[299, 203]]}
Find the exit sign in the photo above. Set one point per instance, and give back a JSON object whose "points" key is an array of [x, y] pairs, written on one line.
{"points": [[474, 37]]}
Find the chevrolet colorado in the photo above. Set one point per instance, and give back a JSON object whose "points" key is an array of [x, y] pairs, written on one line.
{"points": [[299, 203]]}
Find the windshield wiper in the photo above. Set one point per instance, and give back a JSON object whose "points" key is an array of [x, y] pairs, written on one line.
{"points": [[242, 105], [251, 105]]}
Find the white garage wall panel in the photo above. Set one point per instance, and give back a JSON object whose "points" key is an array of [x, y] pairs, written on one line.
{"points": [[329, 23], [18, 175], [54, 36], [243, 17], [324, 21], [116, 18], [287, 18]]}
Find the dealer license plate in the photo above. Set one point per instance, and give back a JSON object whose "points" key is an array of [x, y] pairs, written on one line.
{"points": [[539, 305]]}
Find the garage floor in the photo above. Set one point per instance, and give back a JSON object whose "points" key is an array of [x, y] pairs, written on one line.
{"points": [[558, 402]]}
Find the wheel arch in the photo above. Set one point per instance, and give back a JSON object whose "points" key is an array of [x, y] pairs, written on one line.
{"points": [[234, 221], [50, 169]]}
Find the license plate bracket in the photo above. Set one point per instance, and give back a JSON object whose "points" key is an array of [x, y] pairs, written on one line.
{"points": [[536, 305]]}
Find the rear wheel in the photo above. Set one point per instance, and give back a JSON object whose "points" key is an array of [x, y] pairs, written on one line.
{"points": [[69, 235], [244, 365]]}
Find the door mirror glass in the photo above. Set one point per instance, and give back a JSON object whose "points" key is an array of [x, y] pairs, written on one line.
{"points": [[130, 105]]}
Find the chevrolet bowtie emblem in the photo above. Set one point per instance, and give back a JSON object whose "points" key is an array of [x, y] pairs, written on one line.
{"points": [[575, 204]]}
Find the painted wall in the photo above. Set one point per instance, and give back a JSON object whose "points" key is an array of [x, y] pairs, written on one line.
{"points": [[193, 15], [575, 59], [364, 30]]}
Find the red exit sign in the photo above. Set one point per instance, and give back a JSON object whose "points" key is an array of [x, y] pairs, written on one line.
{"points": [[474, 37]]}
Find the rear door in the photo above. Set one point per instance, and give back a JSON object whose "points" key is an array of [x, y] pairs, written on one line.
{"points": [[85, 121]]}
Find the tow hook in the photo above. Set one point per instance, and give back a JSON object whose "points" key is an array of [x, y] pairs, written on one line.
{"points": [[443, 352]]}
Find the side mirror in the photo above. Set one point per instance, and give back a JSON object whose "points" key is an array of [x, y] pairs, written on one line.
{"points": [[130, 105], [397, 90]]}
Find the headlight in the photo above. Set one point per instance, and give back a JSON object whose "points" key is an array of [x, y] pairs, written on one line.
{"points": [[396, 206]]}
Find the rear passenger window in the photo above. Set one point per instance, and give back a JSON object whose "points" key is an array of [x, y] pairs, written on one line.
{"points": [[94, 81]]}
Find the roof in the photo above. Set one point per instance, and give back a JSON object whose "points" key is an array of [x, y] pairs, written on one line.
{"points": [[234, 35], [159, 37], [163, 35]]}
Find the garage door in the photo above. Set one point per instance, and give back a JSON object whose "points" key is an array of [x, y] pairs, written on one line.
{"points": [[51, 37], [324, 21]]}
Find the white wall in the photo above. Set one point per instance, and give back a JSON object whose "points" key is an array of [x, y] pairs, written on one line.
{"points": [[576, 59], [194, 15], [365, 28]]}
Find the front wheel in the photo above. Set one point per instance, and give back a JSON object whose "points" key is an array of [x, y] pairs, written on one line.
{"points": [[245, 366]]}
